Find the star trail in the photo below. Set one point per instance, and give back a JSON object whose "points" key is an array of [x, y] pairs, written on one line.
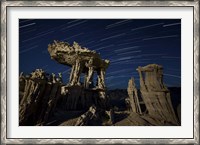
{"points": [[127, 43]]}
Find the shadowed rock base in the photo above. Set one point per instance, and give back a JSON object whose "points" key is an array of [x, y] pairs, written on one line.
{"points": [[38, 98]]}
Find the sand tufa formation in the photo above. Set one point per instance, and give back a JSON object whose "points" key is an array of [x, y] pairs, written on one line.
{"points": [[46, 100], [154, 93], [82, 60]]}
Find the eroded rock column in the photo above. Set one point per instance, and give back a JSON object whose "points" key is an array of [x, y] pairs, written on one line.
{"points": [[71, 74], [133, 96], [89, 74], [155, 94], [82, 60], [101, 78], [75, 73]]}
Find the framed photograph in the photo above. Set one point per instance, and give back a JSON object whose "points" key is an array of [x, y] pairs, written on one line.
{"points": [[100, 72]]}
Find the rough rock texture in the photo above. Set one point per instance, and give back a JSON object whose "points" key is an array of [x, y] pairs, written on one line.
{"points": [[45, 100], [96, 116], [155, 94], [78, 98], [82, 60], [83, 119], [38, 97], [133, 97]]}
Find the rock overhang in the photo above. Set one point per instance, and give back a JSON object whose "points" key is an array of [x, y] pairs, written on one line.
{"points": [[65, 54]]}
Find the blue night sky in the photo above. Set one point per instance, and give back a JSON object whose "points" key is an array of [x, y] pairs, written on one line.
{"points": [[127, 43]]}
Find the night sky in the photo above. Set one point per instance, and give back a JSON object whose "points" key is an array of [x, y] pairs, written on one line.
{"points": [[127, 43]]}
